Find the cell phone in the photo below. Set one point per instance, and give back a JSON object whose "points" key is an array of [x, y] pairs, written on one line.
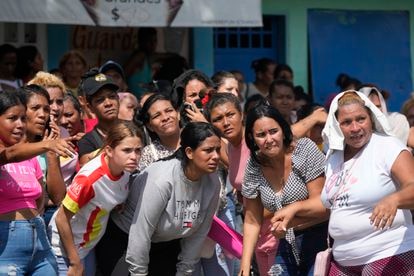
{"points": [[188, 106]]}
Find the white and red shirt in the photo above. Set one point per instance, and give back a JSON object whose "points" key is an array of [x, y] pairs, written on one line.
{"points": [[92, 195]]}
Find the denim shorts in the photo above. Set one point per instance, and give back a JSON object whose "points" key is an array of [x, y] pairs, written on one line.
{"points": [[25, 248]]}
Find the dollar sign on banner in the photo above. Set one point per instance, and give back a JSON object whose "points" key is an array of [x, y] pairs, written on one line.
{"points": [[115, 13]]}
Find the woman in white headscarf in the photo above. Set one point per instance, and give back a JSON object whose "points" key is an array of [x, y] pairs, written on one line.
{"points": [[369, 189], [398, 122]]}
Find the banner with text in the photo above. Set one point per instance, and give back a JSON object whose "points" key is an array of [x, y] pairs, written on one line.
{"points": [[135, 13]]}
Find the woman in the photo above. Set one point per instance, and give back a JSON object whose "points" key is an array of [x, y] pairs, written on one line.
{"points": [[224, 112], [189, 89], [128, 105], [72, 65], [72, 116], [282, 97], [40, 126], [369, 190], [226, 82], [24, 247], [175, 209], [161, 118], [283, 72], [263, 69], [99, 187], [398, 122], [282, 173]]}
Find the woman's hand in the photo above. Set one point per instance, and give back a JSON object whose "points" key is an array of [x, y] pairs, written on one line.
{"points": [[75, 269], [282, 219], [194, 114], [384, 213], [62, 147]]}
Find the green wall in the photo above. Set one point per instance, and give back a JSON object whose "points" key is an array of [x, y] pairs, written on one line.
{"points": [[296, 25]]}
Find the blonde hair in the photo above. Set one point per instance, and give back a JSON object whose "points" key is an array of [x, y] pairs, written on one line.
{"points": [[47, 80], [350, 97]]}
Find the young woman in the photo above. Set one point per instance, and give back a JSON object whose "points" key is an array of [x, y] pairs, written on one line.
{"points": [[72, 116], [224, 112], [282, 173], [99, 187], [24, 247], [175, 209]]}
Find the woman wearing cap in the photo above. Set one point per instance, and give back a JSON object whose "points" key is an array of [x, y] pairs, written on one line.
{"points": [[101, 94], [369, 190]]}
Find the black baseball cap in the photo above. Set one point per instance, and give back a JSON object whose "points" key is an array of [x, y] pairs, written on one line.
{"points": [[93, 84], [112, 65]]}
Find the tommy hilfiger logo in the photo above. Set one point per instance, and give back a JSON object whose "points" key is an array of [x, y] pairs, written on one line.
{"points": [[187, 224]]}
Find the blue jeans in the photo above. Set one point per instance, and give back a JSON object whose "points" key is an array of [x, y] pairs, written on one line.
{"points": [[25, 248], [308, 242]]}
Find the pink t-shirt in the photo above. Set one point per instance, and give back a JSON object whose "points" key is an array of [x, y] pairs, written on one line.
{"points": [[238, 157], [19, 185]]}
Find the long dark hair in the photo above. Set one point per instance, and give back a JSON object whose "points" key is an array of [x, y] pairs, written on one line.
{"points": [[269, 112]]}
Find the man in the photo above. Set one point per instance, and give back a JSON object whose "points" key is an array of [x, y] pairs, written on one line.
{"points": [[102, 98]]}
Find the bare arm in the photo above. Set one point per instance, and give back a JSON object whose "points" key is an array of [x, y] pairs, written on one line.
{"points": [[54, 180], [302, 213], [251, 229], [223, 153], [24, 151], [402, 171], [63, 218], [318, 116]]}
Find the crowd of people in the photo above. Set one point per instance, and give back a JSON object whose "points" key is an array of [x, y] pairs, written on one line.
{"points": [[106, 171]]}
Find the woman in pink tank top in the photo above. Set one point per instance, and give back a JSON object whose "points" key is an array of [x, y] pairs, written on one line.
{"points": [[24, 246]]}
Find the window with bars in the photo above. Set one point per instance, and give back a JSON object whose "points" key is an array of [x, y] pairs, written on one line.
{"points": [[226, 38], [236, 48]]}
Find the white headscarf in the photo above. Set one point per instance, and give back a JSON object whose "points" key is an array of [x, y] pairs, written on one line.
{"points": [[332, 134], [400, 127], [366, 90]]}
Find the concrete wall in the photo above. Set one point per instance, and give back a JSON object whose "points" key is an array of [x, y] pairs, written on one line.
{"points": [[296, 25]]}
